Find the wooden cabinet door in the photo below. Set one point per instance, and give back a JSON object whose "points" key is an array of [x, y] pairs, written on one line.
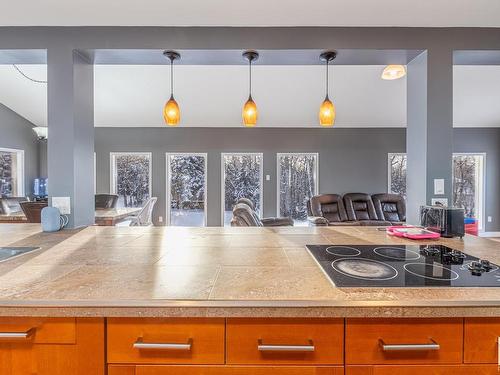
{"points": [[423, 370], [481, 337], [53, 347]]}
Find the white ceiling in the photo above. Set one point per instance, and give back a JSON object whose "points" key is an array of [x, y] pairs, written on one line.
{"points": [[287, 96], [438, 13]]}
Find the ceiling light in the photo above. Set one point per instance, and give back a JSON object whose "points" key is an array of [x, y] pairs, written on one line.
{"points": [[42, 132], [393, 72], [250, 112], [171, 111], [327, 109]]}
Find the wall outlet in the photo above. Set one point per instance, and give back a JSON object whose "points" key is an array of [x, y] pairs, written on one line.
{"points": [[160, 219], [63, 204], [490, 219], [268, 177]]}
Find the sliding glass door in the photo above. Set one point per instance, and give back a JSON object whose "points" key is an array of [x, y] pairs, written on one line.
{"points": [[186, 189], [241, 178], [297, 183], [131, 178]]}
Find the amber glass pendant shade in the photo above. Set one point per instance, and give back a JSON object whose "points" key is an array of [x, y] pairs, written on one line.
{"points": [[327, 113], [250, 113], [171, 112]]}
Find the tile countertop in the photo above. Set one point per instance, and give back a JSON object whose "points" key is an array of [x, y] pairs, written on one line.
{"points": [[161, 271]]}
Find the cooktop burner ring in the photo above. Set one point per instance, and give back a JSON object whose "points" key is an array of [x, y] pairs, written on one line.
{"points": [[353, 251], [453, 274], [405, 251], [383, 267]]}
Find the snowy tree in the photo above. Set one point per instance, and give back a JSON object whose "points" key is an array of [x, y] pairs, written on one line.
{"points": [[132, 179], [297, 184], [464, 183], [6, 172], [187, 182], [242, 174], [397, 164]]}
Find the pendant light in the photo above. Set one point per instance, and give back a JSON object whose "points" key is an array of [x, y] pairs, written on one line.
{"points": [[327, 109], [392, 72], [171, 111], [250, 112]]}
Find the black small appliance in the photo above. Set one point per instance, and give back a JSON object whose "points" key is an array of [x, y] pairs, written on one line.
{"points": [[448, 221]]}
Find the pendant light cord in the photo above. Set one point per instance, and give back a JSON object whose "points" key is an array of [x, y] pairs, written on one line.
{"points": [[171, 77], [327, 61], [250, 75]]}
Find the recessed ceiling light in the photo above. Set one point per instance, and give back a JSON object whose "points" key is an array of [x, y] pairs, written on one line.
{"points": [[392, 72]]}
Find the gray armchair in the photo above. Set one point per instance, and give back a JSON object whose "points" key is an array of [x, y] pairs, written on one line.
{"points": [[244, 215]]}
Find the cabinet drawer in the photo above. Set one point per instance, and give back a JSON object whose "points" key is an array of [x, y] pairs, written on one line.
{"points": [[38, 330], [284, 341], [231, 370], [176, 341], [404, 341], [423, 369], [481, 340]]}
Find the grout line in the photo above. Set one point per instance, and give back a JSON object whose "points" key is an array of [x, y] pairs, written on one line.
{"points": [[219, 270]]}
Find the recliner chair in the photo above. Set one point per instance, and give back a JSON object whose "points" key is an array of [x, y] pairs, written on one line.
{"points": [[105, 201], [360, 207], [244, 215], [328, 209], [390, 207]]}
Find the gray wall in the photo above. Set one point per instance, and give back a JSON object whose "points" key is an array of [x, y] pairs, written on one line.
{"points": [[16, 132], [349, 159], [485, 140]]}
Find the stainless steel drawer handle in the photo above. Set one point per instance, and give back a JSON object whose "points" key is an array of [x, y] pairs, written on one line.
{"points": [[433, 345], [285, 348], [18, 335], [140, 344]]}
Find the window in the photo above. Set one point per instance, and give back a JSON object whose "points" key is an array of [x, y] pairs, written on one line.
{"points": [[186, 189], [468, 184], [131, 178], [241, 178], [11, 172], [297, 183], [397, 174]]}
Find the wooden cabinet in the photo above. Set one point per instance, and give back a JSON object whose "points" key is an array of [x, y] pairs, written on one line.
{"points": [[48, 346], [481, 343], [404, 341], [166, 341], [284, 341], [423, 370], [224, 370]]}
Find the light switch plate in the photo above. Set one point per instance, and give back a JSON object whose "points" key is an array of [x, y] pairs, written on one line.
{"points": [[268, 178], [63, 204], [438, 186]]}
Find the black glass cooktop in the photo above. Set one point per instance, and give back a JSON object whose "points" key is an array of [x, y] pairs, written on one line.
{"points": [[403, 266]]}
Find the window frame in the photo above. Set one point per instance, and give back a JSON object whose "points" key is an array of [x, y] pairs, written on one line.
{"points": [[278, 172], [20, 170], [112, 169], [389, 171], [481, 185], [223, 178], [168, 185]]}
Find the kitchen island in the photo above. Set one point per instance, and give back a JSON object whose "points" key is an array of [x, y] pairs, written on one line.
{"points": [[235, 300]]}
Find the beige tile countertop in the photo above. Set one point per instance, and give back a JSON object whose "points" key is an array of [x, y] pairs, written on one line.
{"points": [[161, 271]]}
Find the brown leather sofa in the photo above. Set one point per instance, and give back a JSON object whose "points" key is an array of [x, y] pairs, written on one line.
{"points": [[356, 209], [244, 215]]}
